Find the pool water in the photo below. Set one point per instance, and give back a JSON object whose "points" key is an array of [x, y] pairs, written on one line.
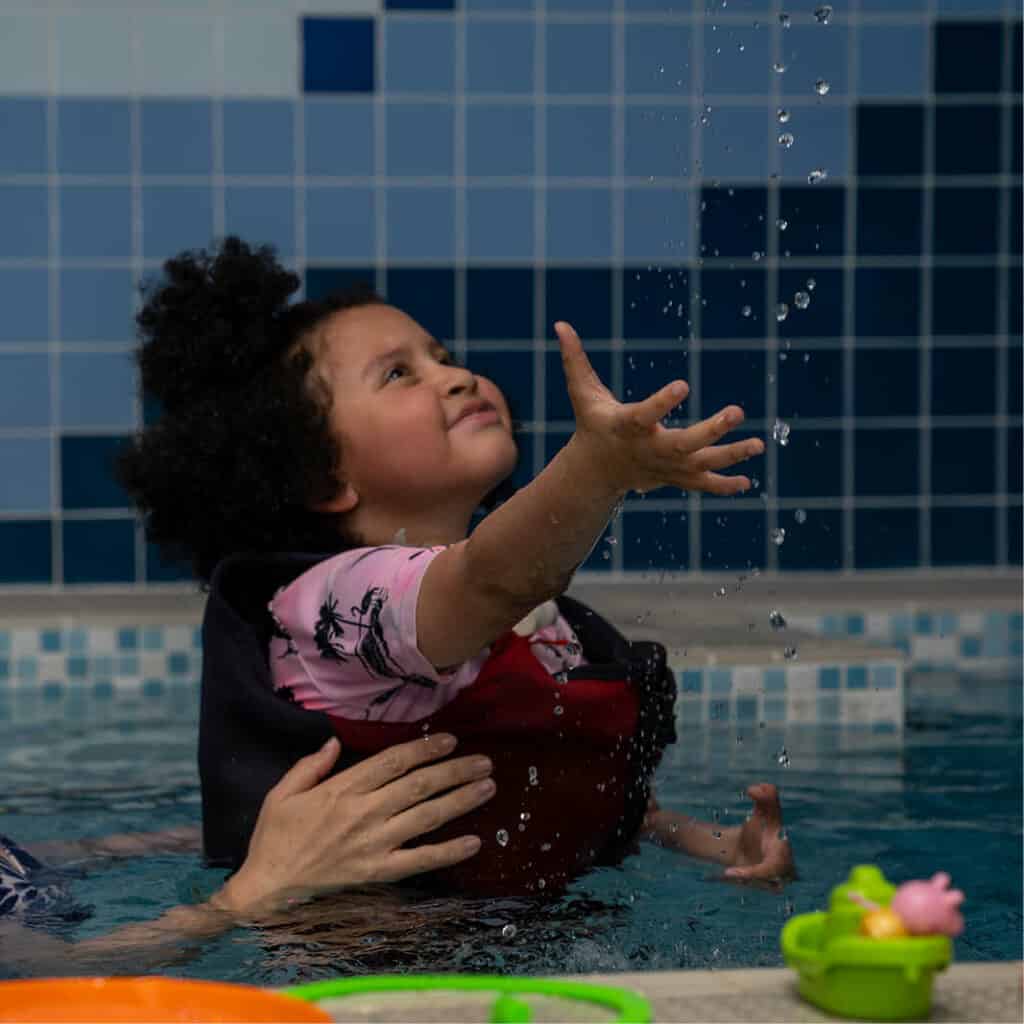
{"points": [[944, 796]]}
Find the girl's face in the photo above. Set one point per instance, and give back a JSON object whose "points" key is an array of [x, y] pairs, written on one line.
{"points": [[406, 463]]}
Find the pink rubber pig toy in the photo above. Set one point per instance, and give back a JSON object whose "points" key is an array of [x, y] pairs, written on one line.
{"points": [[929, 908]]}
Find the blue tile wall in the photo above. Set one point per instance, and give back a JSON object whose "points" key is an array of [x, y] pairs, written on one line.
{"points": [[491, 167]]}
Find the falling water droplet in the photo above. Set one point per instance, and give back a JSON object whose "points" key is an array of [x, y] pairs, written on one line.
{"points": [[789, 653], [800, 516], [784, 20], [807, 357], [508, 932], [786, 140], [532, 772], [823, 12], [776, 620], [811, 284], [818, 175], [783, 757], [541, 883], [741, 47], [780, 432], [746, 311], [502, 836], [822, 86], [705, 120], [779, 68], [559, 709], [778, 536], [756, 255], [782, 115], [782, 223], [720, 592], [544, 847], [781, 312], [801, 300]]}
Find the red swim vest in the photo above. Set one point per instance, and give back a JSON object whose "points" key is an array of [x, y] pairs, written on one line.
{"points": [[572, 760]]}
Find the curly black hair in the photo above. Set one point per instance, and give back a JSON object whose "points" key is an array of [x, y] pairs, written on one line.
{"points": [[242, 451]]}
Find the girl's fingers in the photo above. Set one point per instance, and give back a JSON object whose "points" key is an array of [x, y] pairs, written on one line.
{"points": [[425, 817], [579, 374], [654, 409], [713, 483], [708, 431], [406, 863], [725, 455]]}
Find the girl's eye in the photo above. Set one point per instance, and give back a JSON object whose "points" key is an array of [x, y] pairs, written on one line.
{"points": [[448, 359]]}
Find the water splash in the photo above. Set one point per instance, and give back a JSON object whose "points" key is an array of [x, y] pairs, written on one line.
{"points": [[789, 653], [800, 516], [779, 68], [508, 932], [502, 836], [811, 284], [822, 86], [782, 223], [785, 20], [801, 300], [781, 311], [780, 432], [782, 115], [778, 536], [822, 13], [746, 311], [786, 140], [776, 620], [818, 175], [782, 757]]}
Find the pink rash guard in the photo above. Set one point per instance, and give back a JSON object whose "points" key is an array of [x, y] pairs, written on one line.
{"points": [[346, 638]]}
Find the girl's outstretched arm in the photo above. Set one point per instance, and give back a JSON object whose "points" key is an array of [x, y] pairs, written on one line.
{"points": [[57, 852]]}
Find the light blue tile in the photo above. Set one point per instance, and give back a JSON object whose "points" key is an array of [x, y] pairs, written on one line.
{"points": [[25, 216], [1016, 623], [24, 54], [78, 641], [775, 680], [175, 217], [892, 60], [856, 677], [658, 141], [737, 143], [900, 625], [579, 224], [828, 709], [828, 677], [420, 140], [923, 624], [831, 625], [822, 137], [152, 638], [177, 136], [340, 223], [128, 665], [499, 140], [720, 682], [177, 663], [28, 669], [5, 641], [97, 389], [746, 709], [153, 688], [95, 222], [24, 298], [260, 55], [339, 137], [499, 224], [176, 53], [407, 41], [658, 59], [93, 137], [264, 215], [579, 141], [718, 711], [258, 137], [197, 638], [690, 712], [883, 677], [24, 390], [25, 474], [971, 6], [692, 681], [855, 625], [656, 224], [728, 70], [947, 623], [579, 58], [24, 134], [102, 665], [499, 56], [421, 224], [95, 50], [579, 6], [810, 54], [5, 668], [97, 305]]}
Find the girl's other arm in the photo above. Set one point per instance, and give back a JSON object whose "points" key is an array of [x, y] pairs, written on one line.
{"points": [[184, 839]]}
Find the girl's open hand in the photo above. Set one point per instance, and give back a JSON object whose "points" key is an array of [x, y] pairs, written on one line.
{"points": [[762, 852], [638, 452]]}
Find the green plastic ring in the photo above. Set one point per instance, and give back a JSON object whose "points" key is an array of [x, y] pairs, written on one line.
{"points": [[631, 1007]]}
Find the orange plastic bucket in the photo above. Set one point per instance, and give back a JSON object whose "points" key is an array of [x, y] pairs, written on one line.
{"points": [[147, 1001]]}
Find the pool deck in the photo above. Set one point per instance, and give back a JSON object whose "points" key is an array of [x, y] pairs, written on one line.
{"points": [[974, 992]]}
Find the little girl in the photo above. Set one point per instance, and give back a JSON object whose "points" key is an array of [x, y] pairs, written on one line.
{"points": [[343, 429]]}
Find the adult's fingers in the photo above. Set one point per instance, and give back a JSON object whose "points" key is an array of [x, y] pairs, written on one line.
{"points": [[723, 456], [308, 771], [369, 775], [406, 863], [425, 817], [420, 785]]}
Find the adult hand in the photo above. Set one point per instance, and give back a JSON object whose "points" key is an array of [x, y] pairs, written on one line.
{"points": [[629, 440], [313, 837], [762, 852]]}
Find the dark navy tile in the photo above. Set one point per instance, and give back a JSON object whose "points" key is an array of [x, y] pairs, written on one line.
{"points": [[1016, 238], [816, 543], [655, 540], [1014, 394], [1013, 298], [815, 218], [966, 220], [823, 318], [887, 301], [812, 387], [419, 5], [968, 140], [886, 382], [963, 536], [176, 136], [731, 377], [652, 299], [556, 396], [1015, 534], [99, 551], [94, 136], [732, 221], [811, 465], [963, 381], [886, 461], [725, 295], [964, 300], [968, 56], [1015, 148], [733, 539], [161, 569], [583, 297], [647, 370], [338, 54], [499, 303], [890, 140], [321, 281], [87, 473], [512, 372], [427, 294], [885, 538], [963, 460], [1014, 456], [24, 149], [1015, 48], [889, 221], [25, 551]]}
